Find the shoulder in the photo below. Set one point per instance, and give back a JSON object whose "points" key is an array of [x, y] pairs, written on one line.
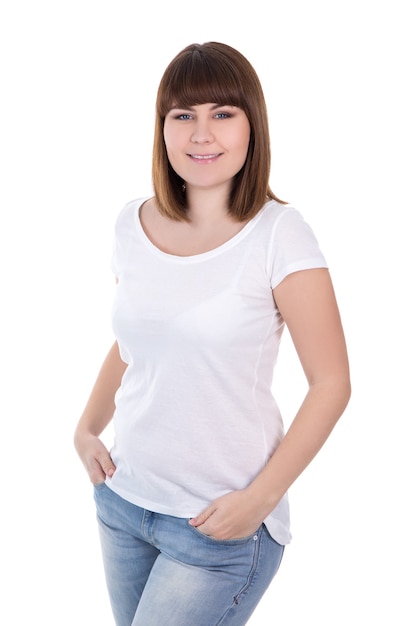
{"points": [[291, 242], [128, 215], [273, 212], [283, 222], [131, 207]]}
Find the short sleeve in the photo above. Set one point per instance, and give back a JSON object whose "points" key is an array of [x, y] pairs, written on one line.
{"points": [[113, 258], [124, 230], [293, 247]]}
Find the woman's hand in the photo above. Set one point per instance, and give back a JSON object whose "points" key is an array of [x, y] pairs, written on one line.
{"points": [[95, 457], [97, 415], [232, 516]]}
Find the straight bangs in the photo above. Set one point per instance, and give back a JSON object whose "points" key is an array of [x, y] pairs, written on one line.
{"points": [[198, 79]]}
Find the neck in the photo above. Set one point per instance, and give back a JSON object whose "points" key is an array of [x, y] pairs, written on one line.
{"points": [[207, 205]]}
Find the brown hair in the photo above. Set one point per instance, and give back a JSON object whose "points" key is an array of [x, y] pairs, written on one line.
{"points": [[214, 72]]}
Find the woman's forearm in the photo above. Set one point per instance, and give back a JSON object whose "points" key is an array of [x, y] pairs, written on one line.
{"points": [[311, 427], [239, 513], [100, 406]]}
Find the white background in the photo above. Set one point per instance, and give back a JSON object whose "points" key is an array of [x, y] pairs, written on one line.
{"points": [[78, 83]]}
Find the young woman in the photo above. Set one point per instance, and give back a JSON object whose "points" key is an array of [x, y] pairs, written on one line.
{"points": [[192, 498]]}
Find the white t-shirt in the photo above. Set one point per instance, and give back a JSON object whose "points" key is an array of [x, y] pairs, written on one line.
{"points": [[195, 415]]}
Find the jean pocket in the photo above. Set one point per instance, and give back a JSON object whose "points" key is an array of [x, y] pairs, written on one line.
{"points": [[229, 542]]}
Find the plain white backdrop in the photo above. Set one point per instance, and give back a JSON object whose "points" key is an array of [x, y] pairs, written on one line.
{"points": [[78, 83]]}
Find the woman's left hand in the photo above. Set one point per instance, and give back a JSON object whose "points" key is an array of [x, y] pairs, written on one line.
{"points": [[232, 516]]}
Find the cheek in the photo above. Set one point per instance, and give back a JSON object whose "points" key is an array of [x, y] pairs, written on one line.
{"points": [[244, 138], [170, 137], [173, 151], [243, 147], [169, 146], [167, 139], [174, 144]]}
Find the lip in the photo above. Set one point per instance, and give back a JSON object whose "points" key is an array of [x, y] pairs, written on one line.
{"points": [[205, 158]]}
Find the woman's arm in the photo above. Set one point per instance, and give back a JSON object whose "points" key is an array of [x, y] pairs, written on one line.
{"points": [[97, 415], [307, 303]]}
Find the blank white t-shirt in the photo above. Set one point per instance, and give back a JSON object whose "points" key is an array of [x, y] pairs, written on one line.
{"points": [[195, 415]]}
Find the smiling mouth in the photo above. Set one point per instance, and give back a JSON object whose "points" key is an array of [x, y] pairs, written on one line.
{"points": [[204, 157]]}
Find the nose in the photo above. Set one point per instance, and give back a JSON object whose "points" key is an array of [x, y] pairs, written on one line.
{"points": [[202, 132]]}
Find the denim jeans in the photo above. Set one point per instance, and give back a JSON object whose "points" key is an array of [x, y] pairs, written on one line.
{"points": [[161, 571]]}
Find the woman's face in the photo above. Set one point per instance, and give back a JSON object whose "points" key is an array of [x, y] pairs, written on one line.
{"points": [[207, 144]]}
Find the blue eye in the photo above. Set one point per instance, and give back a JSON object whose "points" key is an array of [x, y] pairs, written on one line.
{"points": [[183, 116], [222, 116]]}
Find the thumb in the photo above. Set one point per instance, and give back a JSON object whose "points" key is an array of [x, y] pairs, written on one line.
{"points": [[202, 517]]}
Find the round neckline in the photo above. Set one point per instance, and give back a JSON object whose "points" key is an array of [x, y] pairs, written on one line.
{"points": [[203, 256]]}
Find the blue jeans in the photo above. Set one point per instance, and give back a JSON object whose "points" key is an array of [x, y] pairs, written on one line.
{"points": [[161, 571]]}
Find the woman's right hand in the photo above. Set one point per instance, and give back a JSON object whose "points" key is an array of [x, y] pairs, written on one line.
{"points": [[97, 414], [95, 457]]}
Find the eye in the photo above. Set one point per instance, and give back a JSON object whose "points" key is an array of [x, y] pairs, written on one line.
{"points": [[183, 116], [222, 116]]}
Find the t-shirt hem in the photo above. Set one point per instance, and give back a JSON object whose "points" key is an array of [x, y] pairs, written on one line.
{"points": [[149, 505], [306, 264], [276, 529]]}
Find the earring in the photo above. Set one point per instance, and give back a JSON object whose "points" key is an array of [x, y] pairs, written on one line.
{"points": [[183, 187]]}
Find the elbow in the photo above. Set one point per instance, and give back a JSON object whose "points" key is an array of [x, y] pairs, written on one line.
{"points": [[334, 393], [343, 392], [347, 392]]}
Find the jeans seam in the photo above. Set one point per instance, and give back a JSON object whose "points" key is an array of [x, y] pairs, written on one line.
{"points": [[249, 580]]}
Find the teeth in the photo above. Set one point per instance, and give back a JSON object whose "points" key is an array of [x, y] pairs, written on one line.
{"points": [[204, 156]]}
